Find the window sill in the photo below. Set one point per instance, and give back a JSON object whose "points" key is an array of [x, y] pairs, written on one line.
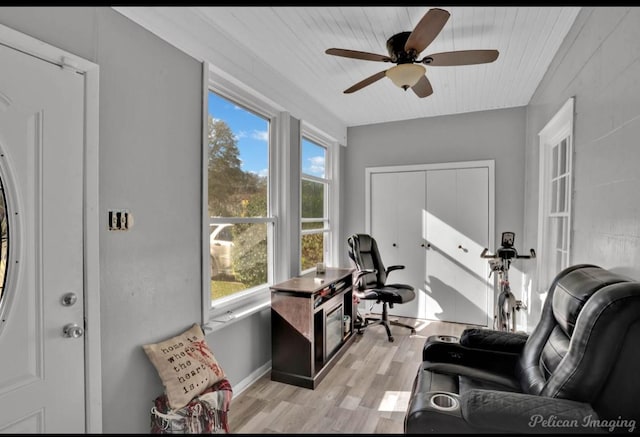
{"points": [[227, 314]]}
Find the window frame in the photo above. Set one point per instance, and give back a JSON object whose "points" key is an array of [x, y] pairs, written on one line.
{"points": [[217, 313], [285, 139], [331, 206], [557, 130], [325, 230]]}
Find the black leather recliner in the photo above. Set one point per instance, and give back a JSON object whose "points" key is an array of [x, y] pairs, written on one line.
{"points": [[578, 371]]}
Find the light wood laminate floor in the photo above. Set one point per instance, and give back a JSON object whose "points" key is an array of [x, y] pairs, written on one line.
{"points": [[367, 391]]}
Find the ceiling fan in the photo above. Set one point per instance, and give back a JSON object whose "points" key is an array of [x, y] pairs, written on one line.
{"points": [[404, 48]]}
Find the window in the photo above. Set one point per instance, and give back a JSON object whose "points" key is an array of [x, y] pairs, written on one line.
{"points": [[251, 236], [240, 223], [4, 245], [314, 201], [554, 221]]}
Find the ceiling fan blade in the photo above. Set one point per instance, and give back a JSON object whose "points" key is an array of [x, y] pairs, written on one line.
{"points": [[368, 81], [355, 54], [426, 30], [461, 57], [423, 87]]}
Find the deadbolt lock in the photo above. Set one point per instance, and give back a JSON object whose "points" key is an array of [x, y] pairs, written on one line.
{"points": [[69, 299]]}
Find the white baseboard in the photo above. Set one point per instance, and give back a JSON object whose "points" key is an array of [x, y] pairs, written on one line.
{"points": [[253, 377]]}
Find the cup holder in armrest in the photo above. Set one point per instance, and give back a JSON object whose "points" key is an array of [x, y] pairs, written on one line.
{"points": [[441, 348], [444, 401], [437, 412], [447, 338]]}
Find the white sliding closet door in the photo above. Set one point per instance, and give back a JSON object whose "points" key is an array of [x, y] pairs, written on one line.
{"points": [[457, 229], [396, 224], [435, 219]]}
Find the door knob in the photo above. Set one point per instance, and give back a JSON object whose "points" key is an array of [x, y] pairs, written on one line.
{"points": [[72, 330]]}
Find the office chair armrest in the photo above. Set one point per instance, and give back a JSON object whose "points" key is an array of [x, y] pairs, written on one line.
{"points": [[524, 413], [392, 268], [360, 273]]}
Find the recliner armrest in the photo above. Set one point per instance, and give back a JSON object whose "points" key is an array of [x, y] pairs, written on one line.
{"points": [[491, 339], [455, 353], [500, 411]]}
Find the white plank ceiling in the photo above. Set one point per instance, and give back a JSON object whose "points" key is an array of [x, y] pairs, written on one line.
{"points": [[292, 40]]}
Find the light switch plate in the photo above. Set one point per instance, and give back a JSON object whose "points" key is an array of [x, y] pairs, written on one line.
{"points": [[120, 220]]}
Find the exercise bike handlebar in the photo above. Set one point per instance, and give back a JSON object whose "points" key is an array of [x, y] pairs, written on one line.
{"points": [[532, 254]]}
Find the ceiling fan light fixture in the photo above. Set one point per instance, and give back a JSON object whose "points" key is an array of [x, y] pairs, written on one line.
{"points": [[406, 75], [404, 48]]}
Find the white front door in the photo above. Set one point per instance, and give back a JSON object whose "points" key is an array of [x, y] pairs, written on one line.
{"points": [[42, 378]]}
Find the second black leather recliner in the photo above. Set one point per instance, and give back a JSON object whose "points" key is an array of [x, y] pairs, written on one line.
{"points": [[577, 372]]}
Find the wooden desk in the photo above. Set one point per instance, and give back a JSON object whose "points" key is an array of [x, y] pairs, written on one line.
{"points": [[308, 333]]}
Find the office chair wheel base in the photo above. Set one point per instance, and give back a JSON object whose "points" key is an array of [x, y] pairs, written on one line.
{"points": [[391, 339]]}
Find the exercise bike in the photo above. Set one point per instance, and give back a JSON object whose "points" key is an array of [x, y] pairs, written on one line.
{"points": [[505, 317]]}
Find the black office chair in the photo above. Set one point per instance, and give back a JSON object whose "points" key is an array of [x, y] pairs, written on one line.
{"points": [[370, 282]]}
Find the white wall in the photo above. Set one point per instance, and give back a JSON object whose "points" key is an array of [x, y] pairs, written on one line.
{"points": [[497, 135], [599, 64], [191, 32]]}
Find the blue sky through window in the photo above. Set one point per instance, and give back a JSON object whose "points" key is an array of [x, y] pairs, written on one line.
{"points": [[313, 158], [252, 135]]}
